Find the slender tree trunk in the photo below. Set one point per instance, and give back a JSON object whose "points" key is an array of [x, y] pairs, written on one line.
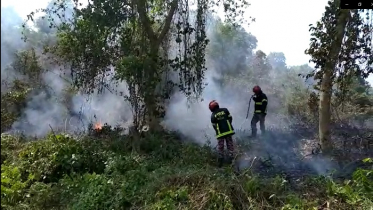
{"points": [[324, 112], [327, 82], [150, 95], [152, 76]]}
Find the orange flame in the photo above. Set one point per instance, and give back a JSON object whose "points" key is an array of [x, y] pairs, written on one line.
{"points": [[97, 126]]}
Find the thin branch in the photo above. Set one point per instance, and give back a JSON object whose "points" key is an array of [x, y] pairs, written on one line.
{"points": [[54, 134]]}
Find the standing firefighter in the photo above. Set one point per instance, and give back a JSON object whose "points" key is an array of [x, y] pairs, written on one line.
{"points": [[260, 110], [221, 120]]}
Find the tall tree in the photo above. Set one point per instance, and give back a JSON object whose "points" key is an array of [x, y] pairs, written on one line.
{"points": [[135, 38], [230, 48], [277, 60], [340, 45], [261, 67]]}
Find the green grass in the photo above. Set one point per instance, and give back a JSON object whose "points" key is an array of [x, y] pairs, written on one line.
{"points": [[157, 171]]}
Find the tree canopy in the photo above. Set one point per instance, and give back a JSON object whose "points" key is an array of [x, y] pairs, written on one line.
{"points": [[341, 47]]}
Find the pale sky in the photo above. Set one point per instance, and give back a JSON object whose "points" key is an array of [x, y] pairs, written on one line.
{"points": [[280, 26]]}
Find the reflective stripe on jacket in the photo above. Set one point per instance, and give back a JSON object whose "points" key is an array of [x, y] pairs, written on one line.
{"points": [[221, 120]]}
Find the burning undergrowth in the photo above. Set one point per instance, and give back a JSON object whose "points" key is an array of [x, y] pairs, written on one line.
{"points": [[278, 152], [294, 155], [167, 161], [99, 129]]}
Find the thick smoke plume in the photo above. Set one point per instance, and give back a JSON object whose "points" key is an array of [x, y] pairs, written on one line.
{"points": [[192, 117], [10, 40], [47, 109]]}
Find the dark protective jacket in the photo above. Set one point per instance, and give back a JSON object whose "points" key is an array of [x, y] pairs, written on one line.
{"points": [[221, 120], [261, 102]]}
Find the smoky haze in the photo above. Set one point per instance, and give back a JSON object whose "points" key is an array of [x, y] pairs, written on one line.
{"points": [[228, 81], [193, 116], [231, 74], [10, 40], [49, 108]]}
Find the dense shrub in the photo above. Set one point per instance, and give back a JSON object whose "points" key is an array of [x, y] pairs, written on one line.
{"points": [[60, 172]]}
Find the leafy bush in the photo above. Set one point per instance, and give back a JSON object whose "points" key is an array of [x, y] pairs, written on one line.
{"points": [[60, 172], [12, 103], [12, 186], [9, 146], [50, 159], [93, 191], [355, 192]]}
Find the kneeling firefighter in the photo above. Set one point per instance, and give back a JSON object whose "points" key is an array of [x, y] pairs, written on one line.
{"points": [[221, 120], [260, 110]]}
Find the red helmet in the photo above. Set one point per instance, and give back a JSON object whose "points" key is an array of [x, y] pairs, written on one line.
{"points": [[257, 89], [213, 105]]}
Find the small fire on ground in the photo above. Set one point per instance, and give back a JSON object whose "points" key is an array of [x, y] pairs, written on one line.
{"points": [[97, 126]]}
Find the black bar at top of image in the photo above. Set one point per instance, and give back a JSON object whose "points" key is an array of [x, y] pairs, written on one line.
{"points": [[356, 4]]}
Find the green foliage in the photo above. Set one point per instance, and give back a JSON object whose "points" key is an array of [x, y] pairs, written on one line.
{"points": [[12, 186], [165, 174], [27, 64], [231, 52], [355, 192], [156, 170], [93, 191], [10, 145], [171, 198], [356, 101], [48, 160], [13, 101], [359, 188], [106, 34], [358, 26], [12, 104], [230, 48]]}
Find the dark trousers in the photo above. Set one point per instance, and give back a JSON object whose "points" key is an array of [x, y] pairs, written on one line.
{"points": [[229, 141], [258, 117]]}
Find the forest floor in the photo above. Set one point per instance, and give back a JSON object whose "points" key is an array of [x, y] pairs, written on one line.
{"points": [[106, 170]]}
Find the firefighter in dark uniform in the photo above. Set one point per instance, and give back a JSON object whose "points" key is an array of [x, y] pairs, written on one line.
{"points": [[260, 110], [221, 120]]}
